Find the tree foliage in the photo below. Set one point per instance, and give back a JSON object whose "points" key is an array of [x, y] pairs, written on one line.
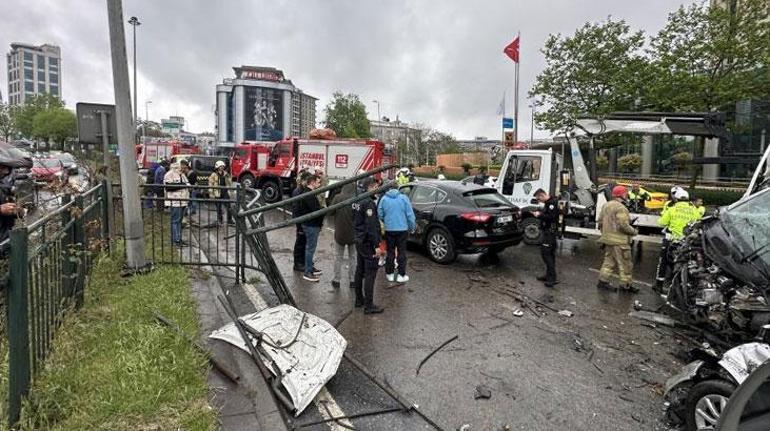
{"points": [[597, 70], [630, 162], [346, 115], [7, 121], [55, 124], [25, 116]]}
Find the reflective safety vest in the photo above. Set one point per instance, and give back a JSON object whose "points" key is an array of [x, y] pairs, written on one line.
{"points": [[402, 179], [678, 216]]}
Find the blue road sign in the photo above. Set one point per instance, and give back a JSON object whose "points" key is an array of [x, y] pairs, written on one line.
{"points": [[508, 123]]}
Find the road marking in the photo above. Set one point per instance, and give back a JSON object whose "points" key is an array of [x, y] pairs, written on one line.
{"points": [[325, 403], [643, 283]]}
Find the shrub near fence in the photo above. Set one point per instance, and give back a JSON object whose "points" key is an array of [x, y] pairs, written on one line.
{"points": [[49, 263]]}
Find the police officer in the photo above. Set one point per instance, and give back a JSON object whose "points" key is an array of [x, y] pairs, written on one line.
{"points": [[637, 197], [674, 218], [549, 225], [402, 177], [367, 226], [615, 225]]}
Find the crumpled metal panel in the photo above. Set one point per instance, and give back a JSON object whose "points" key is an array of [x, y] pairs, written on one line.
{"points": [[742, 360], [308, 363]]}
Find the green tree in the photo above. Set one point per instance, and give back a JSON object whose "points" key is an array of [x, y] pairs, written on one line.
{"points": [[7, 121], [597, 70], [56, 124], [346, 115], [25, 116], [707, 59], [630, 162]]}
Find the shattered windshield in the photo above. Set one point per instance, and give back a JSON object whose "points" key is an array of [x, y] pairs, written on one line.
{"points": [[749, 222]]}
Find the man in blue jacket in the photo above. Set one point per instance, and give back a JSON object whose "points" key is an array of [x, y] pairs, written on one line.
{"points": [[395, 211]]}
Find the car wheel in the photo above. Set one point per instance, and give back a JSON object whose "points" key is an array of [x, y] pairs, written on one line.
{"points": [[271, 192], [440, 245], [533, 235], [705, 402]]}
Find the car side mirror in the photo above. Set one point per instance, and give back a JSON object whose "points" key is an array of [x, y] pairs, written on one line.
{"points": [[534, 201]]}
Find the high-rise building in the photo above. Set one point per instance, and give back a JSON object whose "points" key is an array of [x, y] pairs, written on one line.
{"points": [[260, 104], [33, 70]]}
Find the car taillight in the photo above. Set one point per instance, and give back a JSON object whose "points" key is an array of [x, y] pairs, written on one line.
{"points": [[477, 217]]}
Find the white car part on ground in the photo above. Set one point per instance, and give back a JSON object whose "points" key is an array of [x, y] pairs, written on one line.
{"points": [[307, 356]]}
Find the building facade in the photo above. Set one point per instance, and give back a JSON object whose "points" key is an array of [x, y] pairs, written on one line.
{"points": [[260, 104], [394, 132], [33, 70], [172, 125]]}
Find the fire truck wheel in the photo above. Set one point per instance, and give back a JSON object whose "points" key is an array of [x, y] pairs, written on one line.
{"points": [[271, 191], [247, 180]]}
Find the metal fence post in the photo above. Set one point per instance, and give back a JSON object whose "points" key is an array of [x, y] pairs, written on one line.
{"points": [[108, 223], [18, 324], [81, 244], [67, 244]]}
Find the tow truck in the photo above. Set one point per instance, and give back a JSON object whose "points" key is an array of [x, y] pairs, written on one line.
{"points": [[273, 166], [525, 171]]}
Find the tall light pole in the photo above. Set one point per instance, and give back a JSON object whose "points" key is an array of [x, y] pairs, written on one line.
{"points": [[146, 116], [533, 106], [378, 109], [134, 21]]}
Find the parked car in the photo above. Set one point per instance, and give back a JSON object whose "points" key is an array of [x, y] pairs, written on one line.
{"points": [[70, 164], [457, 218], [48, 170]]}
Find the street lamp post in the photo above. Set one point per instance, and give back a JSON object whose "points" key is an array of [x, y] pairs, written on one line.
{"points": [[134, 21], [146, 116], [533, 106], [378, 108]]}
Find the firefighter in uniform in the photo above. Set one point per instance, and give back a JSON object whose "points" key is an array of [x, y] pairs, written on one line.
{"points": [[549, 225], [675, 218], [367, 227], [617, 232]]}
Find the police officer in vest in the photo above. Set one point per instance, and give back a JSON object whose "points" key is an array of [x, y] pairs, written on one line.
{"points": [[549, 225], [675, 217]]}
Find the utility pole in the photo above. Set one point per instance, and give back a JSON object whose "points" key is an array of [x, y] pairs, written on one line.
{"points": [[146, 117], [134, 21], [129, 174], [378, 108]]}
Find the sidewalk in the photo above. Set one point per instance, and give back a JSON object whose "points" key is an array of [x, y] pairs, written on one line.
{"points": [[248, 405]]}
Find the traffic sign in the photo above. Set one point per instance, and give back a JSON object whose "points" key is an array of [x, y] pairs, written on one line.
{"points": [[507, 123]]}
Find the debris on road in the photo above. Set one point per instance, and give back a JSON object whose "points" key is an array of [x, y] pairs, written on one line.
{"points": [[482, 392], [465, 427], [654, 317], [518, 313], [434, 352], [565, 313]]}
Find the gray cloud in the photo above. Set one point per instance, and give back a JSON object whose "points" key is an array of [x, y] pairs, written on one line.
{"points": [[438, 63]]}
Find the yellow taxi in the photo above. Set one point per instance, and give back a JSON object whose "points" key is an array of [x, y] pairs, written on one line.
{"points": [[657, 199]]}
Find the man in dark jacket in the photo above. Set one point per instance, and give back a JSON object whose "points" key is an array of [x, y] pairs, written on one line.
{"points": [[311, 229], [344, 236], [299, 240], [160, 174], [549, 225], [367, 225]]}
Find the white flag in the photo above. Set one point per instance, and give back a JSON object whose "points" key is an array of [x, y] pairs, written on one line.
{"points": [[501, 108]]}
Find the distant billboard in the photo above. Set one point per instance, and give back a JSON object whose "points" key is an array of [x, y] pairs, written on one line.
{"points": [[90, 124], [263, 114]]}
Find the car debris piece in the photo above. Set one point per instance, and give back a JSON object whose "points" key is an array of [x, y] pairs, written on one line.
{"points": [[305, 349], [465, 427], [482, 392], [518, 313], [565, 313], [654, 317], [434, 352]]}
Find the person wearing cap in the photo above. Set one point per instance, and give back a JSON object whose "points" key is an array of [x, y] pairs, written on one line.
{"points": [[177, 197], [217, 180], [402, 177], [367, 229], [674, 219], [617, 232], [549, 225]]}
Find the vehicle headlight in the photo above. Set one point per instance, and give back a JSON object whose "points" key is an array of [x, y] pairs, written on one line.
{"points": [[58, 174]]}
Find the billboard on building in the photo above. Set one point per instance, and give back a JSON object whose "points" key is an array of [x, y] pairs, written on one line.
{"points": [[263, 114]]}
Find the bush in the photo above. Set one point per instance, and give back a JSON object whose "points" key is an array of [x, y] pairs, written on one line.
{"points": [[602, 161], [630, 162], [467, 168]]}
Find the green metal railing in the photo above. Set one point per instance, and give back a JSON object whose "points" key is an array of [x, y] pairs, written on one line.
{"points": [[49, 262]]}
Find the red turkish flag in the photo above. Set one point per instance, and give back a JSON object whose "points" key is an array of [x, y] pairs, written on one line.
{"points": [[512, 50]]}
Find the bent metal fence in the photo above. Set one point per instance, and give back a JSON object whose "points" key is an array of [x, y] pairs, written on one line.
{"points": [[49, 261]]}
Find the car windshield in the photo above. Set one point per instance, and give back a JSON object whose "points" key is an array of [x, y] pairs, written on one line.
{"points": [[47, 163], [748, 222], [486, 198]]}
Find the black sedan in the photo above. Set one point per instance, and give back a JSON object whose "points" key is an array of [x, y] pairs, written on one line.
{"points": [[453, 218]]}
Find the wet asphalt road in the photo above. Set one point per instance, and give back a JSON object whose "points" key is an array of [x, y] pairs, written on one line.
{"points": [[599, 369]]}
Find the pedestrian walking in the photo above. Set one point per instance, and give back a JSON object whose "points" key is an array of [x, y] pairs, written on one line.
{"points": [[296, 211], [674, 219], [617, 233], [160, 174], [367, 236], [311, 229], [549, 225], [217, 180], [344, 236], [176, 200], [192, 178], [395, 211]]}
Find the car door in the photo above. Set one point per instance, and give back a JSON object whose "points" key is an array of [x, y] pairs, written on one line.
{"points": [[424, 199]]}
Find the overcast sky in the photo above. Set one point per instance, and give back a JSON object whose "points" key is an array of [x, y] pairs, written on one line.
{"points": [[433, 62]]}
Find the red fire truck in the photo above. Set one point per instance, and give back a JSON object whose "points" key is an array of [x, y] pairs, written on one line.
{"points": [[272, 167], [154, 151]]}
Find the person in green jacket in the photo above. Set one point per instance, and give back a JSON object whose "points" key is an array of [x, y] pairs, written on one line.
{"points": [[615, 225], [674, 219]]}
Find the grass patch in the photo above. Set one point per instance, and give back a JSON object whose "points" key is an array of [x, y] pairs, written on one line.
{"points": [[114, 368]]}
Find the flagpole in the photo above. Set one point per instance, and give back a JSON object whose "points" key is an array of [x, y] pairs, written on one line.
{"points": [[516, 96]]}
